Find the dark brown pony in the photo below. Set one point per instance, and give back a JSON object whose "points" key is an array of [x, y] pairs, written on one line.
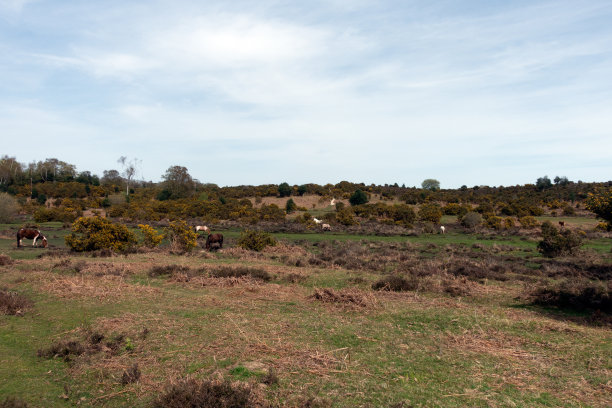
{"points": [[31, 233], [214, 239]]}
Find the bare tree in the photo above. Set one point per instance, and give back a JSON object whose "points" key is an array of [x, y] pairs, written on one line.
{"points": [[129, 170]]}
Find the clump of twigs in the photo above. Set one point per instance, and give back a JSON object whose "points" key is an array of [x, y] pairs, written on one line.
{"points": [[210, 394]]}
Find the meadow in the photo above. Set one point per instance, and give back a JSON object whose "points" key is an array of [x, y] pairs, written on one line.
{"points": [[316, 321]]}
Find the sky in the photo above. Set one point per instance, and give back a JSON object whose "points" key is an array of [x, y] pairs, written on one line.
{"points": [[472, 92]]}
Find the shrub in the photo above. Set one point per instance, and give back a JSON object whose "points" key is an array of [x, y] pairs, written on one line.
{"points": [[601, 204], [255, 240], [358, 198], [578, 295], [430, 212], [90, 234], [528, 222], [182, 237], [471, 219], [12, 303], [508, 222], [569, 210], [396, 283], [454, 209], [346, 216], [208, 394], [238, 272], [494, 222], [290, 206], [151, 238], [555, 244]]}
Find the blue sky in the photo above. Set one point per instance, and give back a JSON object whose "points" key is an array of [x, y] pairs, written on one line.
{"points": [[244, 92]]}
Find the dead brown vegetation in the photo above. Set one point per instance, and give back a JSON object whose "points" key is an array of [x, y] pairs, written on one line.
{"points": [[347, 296], [210, 394], [6, 260], [12, 303], [12, 402]]}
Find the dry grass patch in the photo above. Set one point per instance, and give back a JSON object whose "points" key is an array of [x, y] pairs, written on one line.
{"points": [[345, 297], [104, 287]]}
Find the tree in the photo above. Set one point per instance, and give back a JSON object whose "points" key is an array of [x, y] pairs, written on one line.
{"points": [[358, 198], [129, 171], [561, 181], [543, 183], [302, 189], [8, 208], [111, 177], [284, 190], [178, 182], [430, 184]]}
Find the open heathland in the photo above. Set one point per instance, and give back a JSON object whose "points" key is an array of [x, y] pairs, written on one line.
{"points": [[318, 320]]}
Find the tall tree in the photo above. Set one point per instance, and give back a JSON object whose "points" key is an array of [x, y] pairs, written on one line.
{"points": [[178, 182], [430, 184], [129, 171]]}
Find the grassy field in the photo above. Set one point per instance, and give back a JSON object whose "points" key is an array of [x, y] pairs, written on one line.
{"points": [[306, 312]]}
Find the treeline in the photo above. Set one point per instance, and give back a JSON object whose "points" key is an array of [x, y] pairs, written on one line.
{"points": [[54, 190]]}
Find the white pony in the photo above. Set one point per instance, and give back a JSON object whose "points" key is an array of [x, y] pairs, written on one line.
{"points": [[442, 229], [317, 221], [326, 227], [202, 228]]}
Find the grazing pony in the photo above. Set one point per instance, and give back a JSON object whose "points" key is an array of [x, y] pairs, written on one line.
{"points": [[332, 202], [30, 233], [214, 239], [442, 229], [326, 227], [317, 221], [203, 228], [562, 224]]}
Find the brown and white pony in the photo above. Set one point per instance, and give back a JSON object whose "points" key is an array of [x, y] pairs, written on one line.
{"points": [[202, 228], [30, 233]]}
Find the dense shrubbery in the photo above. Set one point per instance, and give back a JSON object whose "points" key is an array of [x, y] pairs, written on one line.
{"points": [[576, 294], [430, 212], [529, 222], [255, 240], [555, 243], [182, 237], [62, 214], [471, 220], [601, 204], [151, 238], [358, 198], [90, 234]]}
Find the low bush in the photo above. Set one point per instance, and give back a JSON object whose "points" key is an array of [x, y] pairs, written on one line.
{"points": [[209, 394], [555, 243], [12, 303], [255, 240], [167, 270], [238, 272], [11, 402], [578, 295], [90, 234], [471, 220], [151, 238], [528, 222], [8, 208], [397, 283], [182, 237], [430, 212]]}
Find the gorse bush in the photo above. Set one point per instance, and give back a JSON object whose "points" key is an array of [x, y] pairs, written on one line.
{"points": [[430, 212], [90, 234], [555, 243], [182, 236], [601, 204], [528, 222], [255, 240], [150, 237]]}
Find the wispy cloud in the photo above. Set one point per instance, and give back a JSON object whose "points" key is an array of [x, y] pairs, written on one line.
{"points": [[367, 91]]}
